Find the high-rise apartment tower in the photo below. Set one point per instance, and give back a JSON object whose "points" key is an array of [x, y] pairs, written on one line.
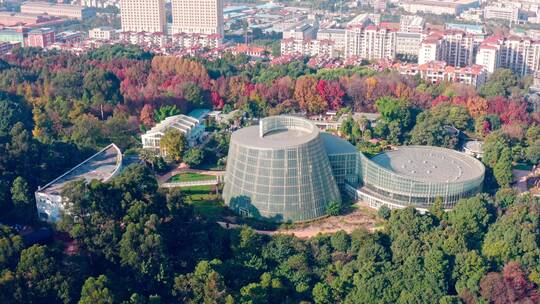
{"points": [[197, 17], [143, 16]]}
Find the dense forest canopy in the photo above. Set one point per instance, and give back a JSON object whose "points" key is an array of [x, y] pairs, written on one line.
{"points": [[137, 244]]}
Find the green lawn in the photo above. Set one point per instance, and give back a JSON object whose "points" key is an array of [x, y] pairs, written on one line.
{"points": [[190, 177], [205, 201]]}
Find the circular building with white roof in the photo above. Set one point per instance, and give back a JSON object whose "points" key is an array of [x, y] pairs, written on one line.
{"points": [[418, 175]]}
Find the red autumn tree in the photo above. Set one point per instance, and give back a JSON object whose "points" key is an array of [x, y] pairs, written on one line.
{"points": [[217, 101], [331, 92], [147, 115]]}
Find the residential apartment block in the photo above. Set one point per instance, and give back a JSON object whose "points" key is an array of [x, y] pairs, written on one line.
{"points": [[103, 33], [509, 13], [310, 48], [335, 35], [370, 42], [437, 71], [143, 16], [520, 54], [454, 47], [197, 16]]}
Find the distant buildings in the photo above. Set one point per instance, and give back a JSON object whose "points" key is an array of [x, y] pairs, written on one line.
{"points": [[438, 71], [411, 24], [509, 13], [249, 50], [520, 54], [301, 32], [310, 48], [335, 35], [103, 33], [143, 16], [16, 19], [197, 17], [57, 9], [102, 166], [438, 7], [40, 38], [97, 3], [370, 42], [26, 37], [454, 47]]}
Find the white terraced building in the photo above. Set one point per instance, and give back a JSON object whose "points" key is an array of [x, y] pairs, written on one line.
{"points": [[192, 129]]}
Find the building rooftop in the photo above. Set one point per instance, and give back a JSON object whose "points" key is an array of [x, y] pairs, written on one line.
{"points": [[181, 122], [446, 3], [430, 164], [101, 166], [277, 132], [474, 146], [471, 28], [337, 145]]}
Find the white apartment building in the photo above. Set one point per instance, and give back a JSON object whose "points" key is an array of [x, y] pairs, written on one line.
{"points": [[103, 33], [438, 71], [370, 42], [300, 32], [438, 7], [411, 24], [98, 3], [143, 16], [310, 48], [335, 35], [431, 49], [197, 17], [454, 47], [183, 40], [520, 54], [146, 39], [502, 12], [408, 43]]}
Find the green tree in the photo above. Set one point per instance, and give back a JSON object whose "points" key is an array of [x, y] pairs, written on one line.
{"points": [[173, 145], [22, 200], [384, 212], [334, 208], [38, 272], [500, 83], [96, 291], [322, 294], [471, 217], [204, 285], [142, 248], [340, 241], [100, 88], [165, 111], [470, 267], [194, 95], [434, 126], [503, 169], [193, 157], [514, 236]]}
